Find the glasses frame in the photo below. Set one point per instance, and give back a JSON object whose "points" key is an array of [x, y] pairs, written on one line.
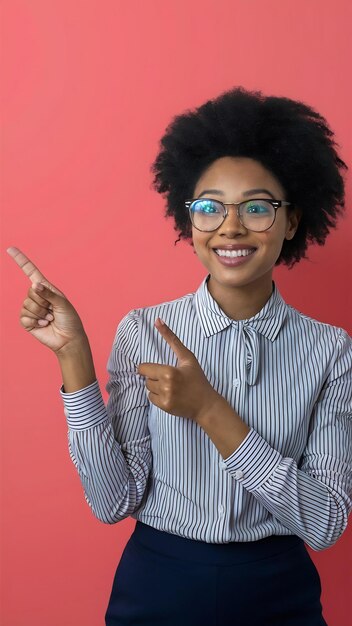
{"points": [[276, 204]]}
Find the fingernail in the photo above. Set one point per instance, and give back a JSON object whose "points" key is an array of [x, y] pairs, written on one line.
{"points": [[49, 317], [161, 321], [38, 287]]}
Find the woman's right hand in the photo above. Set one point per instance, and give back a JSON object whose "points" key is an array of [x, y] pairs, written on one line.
{"points": [[64, 328]]}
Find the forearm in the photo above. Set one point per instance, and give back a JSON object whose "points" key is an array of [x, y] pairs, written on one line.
{"points": [[113, 473], [315, 510], [114, 480], [77, 367], [109, 445]]}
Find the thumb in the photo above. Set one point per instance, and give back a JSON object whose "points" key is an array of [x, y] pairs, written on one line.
{"points": [[49, 292], [183, 354]]}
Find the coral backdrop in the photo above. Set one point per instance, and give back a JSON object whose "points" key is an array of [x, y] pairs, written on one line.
{"points": [[88, 88]]}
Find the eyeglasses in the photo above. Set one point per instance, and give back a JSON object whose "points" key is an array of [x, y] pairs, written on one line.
{"points": [[257, 215]]}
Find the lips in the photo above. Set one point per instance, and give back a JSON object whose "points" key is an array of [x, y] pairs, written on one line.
{"points": [[233, 246], [233, 253], [232, 257]]}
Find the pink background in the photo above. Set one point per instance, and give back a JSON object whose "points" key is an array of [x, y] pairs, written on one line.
{"points": [[88, 89]]}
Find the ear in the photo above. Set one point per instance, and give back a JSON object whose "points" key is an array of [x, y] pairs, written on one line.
{"points": [[293, 219]]}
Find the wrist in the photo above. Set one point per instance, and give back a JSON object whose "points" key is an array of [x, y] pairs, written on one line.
{"points": [[73, 348], [223, 426], [77, 367], [215, 405]]}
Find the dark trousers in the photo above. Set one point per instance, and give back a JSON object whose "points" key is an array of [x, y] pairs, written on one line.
{"points": [[164, 579]]}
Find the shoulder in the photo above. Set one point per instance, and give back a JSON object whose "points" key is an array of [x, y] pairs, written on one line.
{"points": [[135, 319], [170, 307], [311, 323], [317, 334]]}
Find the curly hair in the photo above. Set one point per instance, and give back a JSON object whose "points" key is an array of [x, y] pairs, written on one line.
{"points": [[288, 137]]}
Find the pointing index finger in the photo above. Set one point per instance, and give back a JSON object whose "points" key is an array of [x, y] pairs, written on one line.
{"points": [[174, 342], [26, 265]]}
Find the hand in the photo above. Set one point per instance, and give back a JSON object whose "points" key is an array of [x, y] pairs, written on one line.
{"points": [[47, 314], [183, 390]]}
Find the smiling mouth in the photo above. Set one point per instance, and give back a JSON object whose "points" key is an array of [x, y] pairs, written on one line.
{"points": [[232, 254]]}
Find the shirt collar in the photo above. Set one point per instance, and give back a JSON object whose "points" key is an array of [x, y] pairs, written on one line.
{"points": [[212, 318]]}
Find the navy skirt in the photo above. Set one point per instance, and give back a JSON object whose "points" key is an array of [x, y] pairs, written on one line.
{"points": [[164, 579]]}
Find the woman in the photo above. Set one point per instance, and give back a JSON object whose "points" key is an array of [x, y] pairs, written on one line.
{"points": [[227, 432]]}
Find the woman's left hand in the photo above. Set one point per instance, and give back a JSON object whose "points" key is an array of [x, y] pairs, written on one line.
{"points": [[182, 390]]}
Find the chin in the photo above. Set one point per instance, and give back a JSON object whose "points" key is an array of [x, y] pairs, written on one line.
{"points": [[239, 278]]}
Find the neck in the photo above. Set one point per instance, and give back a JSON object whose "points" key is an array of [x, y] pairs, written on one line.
{"points": [[241, 303]]}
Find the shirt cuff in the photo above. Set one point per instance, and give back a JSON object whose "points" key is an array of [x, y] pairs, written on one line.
{"points": [[253, 462], [84, 408]]}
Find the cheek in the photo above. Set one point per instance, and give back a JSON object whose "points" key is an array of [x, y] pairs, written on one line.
{"points": [[199, 241], [201, 250], [197, 249], [272, 239]]}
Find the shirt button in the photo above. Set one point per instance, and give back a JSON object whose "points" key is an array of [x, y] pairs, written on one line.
{"points": [[222, 464], [236, 382], [221, 510], [239, 474]]}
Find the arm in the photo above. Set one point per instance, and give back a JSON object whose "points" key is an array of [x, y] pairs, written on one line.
{"points": [[312, 498], [77, 367], [110, 446]]}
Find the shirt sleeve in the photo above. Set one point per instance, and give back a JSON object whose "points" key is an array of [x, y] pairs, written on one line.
{"points": [[110, 445], [311, 498]]}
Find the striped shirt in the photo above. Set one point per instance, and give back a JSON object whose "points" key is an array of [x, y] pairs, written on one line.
{"points": [[287, 375]]}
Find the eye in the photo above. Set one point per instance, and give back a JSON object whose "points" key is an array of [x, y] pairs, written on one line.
{"points": [[258, 207], [206, 206]]}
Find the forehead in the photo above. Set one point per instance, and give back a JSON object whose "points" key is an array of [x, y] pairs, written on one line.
{"points": [[237, 175]]}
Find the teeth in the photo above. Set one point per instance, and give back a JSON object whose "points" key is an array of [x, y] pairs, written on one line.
{"points": [[233, 253]]}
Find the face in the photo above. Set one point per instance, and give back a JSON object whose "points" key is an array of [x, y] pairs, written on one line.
{"points": [[229, 178]]}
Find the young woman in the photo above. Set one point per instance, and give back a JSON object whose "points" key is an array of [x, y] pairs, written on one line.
{"points": [[227, 433]]}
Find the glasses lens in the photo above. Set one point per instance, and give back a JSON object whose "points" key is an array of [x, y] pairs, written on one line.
{"points": [[257, 215], [206, 214]]}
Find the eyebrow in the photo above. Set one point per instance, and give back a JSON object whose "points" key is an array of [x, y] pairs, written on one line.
{"points": [[245, 193]]}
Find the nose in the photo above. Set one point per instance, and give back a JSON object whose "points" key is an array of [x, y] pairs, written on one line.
{"points": [[231, 225]]}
